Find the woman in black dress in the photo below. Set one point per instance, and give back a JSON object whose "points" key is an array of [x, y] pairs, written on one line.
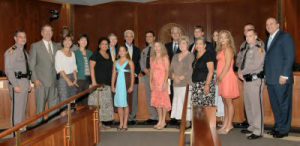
{"points": [[101, 72], [203, 92]]}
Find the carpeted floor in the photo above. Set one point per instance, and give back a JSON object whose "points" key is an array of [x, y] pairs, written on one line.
{"points": [[146, 136]]}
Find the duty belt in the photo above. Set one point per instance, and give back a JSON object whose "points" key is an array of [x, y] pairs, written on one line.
{"points": [[20, 75], [254, 76]]}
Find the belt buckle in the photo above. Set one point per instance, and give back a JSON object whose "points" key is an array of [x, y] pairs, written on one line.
{"points": [[254, 77]]}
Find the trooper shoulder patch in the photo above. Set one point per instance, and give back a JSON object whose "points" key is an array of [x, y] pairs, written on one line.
{"points": [[261, 50], [10, 50]]}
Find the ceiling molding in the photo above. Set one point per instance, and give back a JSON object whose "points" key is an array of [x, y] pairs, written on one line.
{"points": [[94, 2]]}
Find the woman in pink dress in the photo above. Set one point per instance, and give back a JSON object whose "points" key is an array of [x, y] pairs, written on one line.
{"points": [[226, 78], [159, 71]]}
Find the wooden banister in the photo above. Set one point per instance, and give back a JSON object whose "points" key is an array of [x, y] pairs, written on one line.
{"points": [[40, 115], [183, 118]]}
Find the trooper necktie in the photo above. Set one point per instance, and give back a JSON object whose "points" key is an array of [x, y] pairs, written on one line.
{"points": [[244, 58], [26, 62], [148, 58]]}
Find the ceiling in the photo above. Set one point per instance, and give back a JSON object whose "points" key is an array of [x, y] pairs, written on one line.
{"points": [[94, 2]]}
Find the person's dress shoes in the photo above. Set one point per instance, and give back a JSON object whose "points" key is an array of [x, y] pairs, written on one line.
{"points": [[246, 131], [132, 122], [253, 136], [272, 132], [279, 135]]}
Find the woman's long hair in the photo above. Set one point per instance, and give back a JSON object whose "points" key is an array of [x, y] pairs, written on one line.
{"points": [[230, 41], [163, 50], [127, 55]]}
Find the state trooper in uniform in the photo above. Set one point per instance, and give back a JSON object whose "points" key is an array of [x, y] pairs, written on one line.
{"points": [[18, 74], [250, 62]]}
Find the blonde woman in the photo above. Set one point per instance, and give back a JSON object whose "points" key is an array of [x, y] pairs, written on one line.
{"points": [[159, 71], [226, 78]]}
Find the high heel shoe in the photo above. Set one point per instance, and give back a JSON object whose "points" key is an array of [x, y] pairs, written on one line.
{"points": [[162, 127], [225, 131], [119, 129]]}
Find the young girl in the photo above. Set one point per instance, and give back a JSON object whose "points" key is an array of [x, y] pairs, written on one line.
{"points": [[122, 85], [159, 72]]}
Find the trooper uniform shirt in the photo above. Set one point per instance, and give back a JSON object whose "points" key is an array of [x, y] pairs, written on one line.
{"points": [[243, 48], [15, 63], [251, 59], [251, 62]]}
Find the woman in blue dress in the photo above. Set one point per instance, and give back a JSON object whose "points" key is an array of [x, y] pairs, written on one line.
{"points": [[122, 85]]}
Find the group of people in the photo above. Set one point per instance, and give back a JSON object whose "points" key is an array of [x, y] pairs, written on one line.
{"points": [[59, 71]]}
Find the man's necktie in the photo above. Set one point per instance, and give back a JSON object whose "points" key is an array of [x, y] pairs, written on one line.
{"points": [[175, 48], [269, 42], [50, 51]]}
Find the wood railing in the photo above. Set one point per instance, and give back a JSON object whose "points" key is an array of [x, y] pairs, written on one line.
{"points": [[183, 118], [203, 132], [16, 128]]}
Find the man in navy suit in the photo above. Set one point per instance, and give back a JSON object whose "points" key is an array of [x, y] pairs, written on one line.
{"points": [[280, 56]]}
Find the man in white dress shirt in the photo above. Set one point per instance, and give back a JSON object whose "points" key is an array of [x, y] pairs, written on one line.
{"points": [[43, 71], [135, 55]]}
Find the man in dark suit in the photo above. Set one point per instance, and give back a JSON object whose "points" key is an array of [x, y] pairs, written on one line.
{"points": [[113, 46], [280, 56], [199, 33], [135, 55], [173, 47]]}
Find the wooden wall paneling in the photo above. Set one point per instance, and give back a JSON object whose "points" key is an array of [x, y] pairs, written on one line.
{"points": [[156, 16], [291, 10], [103, 19], [233, 16], [29, 15], [209, 31]]}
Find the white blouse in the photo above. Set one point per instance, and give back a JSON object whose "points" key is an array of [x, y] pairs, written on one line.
{"points": [[65, 63]]}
